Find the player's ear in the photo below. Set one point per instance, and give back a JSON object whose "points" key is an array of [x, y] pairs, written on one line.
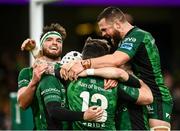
{"points": [[117, 24]]}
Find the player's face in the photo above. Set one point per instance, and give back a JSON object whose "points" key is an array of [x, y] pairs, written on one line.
{"points": [[52, 47], [107, 30]]}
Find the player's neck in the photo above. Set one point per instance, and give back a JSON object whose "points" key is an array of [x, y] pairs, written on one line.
{"points": [[51, 60], [126, 28]]}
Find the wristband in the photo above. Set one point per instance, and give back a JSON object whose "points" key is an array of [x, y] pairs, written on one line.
{"points": [[132, 81], [86, 63], [90, 72]]}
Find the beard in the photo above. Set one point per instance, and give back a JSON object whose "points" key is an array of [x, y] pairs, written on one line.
{"points": [[115, 39], [50, 55]]}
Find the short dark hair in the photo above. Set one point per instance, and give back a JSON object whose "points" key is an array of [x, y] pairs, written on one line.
{"points": [[55, 27], [95, 48], [111, 13]]}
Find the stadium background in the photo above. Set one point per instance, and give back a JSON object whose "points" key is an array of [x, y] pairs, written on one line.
{"points": [[161, 18]]}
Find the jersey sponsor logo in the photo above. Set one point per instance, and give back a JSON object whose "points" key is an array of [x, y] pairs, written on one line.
{"points": [[50, 90], [129, 39], [93, 86], [93, 81], [23, 82], [94, 124], [127, 46]]}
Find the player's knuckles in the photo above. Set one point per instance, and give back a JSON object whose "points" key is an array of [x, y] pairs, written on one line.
{"points": [[65, 75], [62, 73], [73, 69], [106, 86], [73, 75], [70, 75]]}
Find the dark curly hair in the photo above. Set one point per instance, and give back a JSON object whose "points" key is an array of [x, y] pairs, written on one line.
{"points": [[55, 27], [95, 48]]}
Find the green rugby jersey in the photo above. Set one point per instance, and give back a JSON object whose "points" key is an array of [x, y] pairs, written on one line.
{"points": [[49, 90], [145, 60], [131, 116], [89, 91]]}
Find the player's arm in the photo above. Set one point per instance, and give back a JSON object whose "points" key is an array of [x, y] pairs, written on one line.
{"points": [[61, 114], [113, 60], [27, 85], [132, 83], [113, 73], [51, 94], [122, 55], [30, 45], [116, 59], [25, 95], [26, 89], [140, 96], [145, 95]]}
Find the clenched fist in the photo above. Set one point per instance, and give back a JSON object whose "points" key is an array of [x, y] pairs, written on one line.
{"points": [[28, 45]]}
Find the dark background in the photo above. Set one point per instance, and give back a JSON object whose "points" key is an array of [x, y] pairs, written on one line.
{"points": [[80, 22]]}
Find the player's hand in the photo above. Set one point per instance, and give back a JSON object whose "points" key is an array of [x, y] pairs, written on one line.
{"points": [[75, 70], [65, 69], [110, 83], [93, 113], [39, 67], [83, 74], [28, 45], [71, 70]]}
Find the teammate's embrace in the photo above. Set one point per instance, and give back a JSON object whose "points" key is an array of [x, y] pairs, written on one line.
{"points": [[90, 90], [138, 47], [45, 93]]}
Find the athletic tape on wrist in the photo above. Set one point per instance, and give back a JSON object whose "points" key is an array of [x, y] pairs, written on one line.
{"points": [[86, 64], [90, 72]]}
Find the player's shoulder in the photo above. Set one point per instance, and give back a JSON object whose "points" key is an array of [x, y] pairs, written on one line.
{"points": [[138, 35], [140, 32], [26, 70], [24, 77]]}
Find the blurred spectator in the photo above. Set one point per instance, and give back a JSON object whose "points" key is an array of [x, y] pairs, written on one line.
{"points": [[10, 65], [174, 85], [2, 120], [176, 109], [21, 61], [4, 111], [168, 78]]}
